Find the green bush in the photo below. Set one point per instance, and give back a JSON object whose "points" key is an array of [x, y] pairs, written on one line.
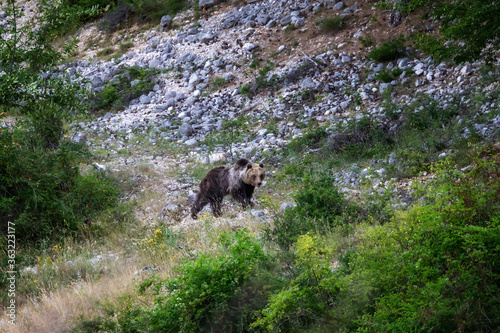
{"points": [[307, 298], [437, 268], [198, 299], [319, 208], [389, 50], [367, 41], [42, 191]]}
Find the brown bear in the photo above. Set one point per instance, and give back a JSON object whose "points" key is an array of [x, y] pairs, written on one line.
{"points": [[239, 180]]}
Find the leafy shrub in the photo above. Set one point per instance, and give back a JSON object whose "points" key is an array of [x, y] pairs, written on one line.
{"points": [[330, 23], [42, 191], [389, 50], [232, 131], [244, 89], [319, 208], [437, 269], [197, 300], [218, 82], [307, 297], [105, 52], [363, 138]]}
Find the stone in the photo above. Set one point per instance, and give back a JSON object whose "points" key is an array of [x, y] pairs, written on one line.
{"points": [[206, 37], [155, 63], [286, 205], [165, 23], [271, 24], [286, 20], [339, 6], [466, 70], [259, 214], [169, 103], [249, 47], [144, 99], [308, 84], [79, 138], [191, 143], [384, 86], [263, 19], [185, 130], [207, 3], [228, 77], [193, 79]]}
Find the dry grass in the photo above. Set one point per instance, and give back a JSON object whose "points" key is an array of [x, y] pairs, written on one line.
{"points": [[58, 311]]}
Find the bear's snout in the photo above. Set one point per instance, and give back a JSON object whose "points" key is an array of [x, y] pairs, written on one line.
{"points": [[258, 184]]}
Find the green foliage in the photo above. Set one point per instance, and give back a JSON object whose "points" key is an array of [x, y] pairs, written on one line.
{"points": [[319, 208], [198, 299], [244, 89], [389, 50], [306, 299], [154, 10], [42, 191], [387, 76], [218, 83], [437, 269], [468, 27], [117, 13], [310, 140], [330, 23], [120, 92]]}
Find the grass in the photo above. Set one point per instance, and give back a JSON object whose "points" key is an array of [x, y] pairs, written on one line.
{"points": [[105, 52]]}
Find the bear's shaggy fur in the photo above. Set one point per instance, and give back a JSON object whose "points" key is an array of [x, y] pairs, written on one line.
{"points": [[239, 180]]}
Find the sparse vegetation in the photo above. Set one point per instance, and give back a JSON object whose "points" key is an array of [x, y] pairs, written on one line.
{"points": [[388, 50], [331, 24], [367, 40], [130, 83]]}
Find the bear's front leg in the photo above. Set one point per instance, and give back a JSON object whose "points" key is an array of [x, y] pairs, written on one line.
{"points": [[248, 197], [200, 202]]}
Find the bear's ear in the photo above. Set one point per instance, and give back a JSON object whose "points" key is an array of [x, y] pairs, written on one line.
{"points": [[249, 165], [261, 165]]}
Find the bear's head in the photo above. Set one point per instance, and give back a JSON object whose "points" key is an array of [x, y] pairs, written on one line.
{"points": [[254, 174]]}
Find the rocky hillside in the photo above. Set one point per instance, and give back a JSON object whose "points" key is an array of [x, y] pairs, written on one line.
{"points": [[273, 66], [355, 126]]}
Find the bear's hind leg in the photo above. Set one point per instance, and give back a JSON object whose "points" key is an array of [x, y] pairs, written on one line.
{"points": [[216, 204]]}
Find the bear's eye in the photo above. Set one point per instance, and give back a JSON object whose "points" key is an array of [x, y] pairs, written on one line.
{"points": [[253, 177]]}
